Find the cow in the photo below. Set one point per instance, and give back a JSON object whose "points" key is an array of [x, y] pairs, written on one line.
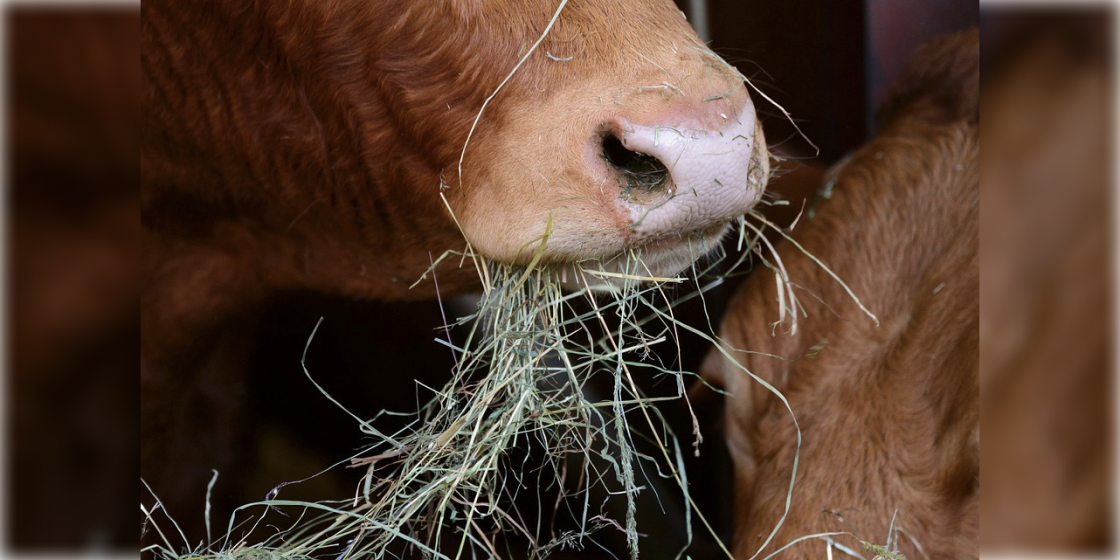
{"points": [[888, 409], [343, 146]]}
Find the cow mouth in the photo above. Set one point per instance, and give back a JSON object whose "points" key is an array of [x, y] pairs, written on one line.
{"points": [[670, 254], [662, 258]]}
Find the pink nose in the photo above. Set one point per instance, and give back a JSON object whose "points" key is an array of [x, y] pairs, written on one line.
{"points": [[681, 177]]}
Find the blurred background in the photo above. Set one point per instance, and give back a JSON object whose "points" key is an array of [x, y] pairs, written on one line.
{"points": [[1047, 319], [72, 245], [72, 248]]}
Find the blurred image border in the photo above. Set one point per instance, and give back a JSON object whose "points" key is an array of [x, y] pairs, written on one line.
{"points": [[5, 8], [1115, 269]]}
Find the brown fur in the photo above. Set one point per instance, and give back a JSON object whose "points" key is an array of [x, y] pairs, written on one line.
{"points": [[889, 414], [304, 145]]}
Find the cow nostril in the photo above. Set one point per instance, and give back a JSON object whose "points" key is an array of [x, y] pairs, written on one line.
{"points": [[639, 172]]}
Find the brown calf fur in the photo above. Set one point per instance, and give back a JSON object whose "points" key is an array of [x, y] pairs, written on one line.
{"points": [[889, 414], [308, 145]]}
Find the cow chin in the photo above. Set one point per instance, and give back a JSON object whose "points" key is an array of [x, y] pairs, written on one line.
{"points": [[661, 259]]}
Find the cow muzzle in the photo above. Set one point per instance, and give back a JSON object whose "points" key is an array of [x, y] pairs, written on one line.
{"points": [[645, 185], [683, 183]]}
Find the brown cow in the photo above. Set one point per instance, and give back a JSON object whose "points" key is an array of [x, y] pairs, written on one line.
{"points": [[889, 414], [323, 146]]}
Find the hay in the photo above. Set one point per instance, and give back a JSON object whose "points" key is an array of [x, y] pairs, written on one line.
{"points": [[445, 485], [446, 478]]}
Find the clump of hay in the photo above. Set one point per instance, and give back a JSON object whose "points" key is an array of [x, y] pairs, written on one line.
{"points": [[443, 486]]}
